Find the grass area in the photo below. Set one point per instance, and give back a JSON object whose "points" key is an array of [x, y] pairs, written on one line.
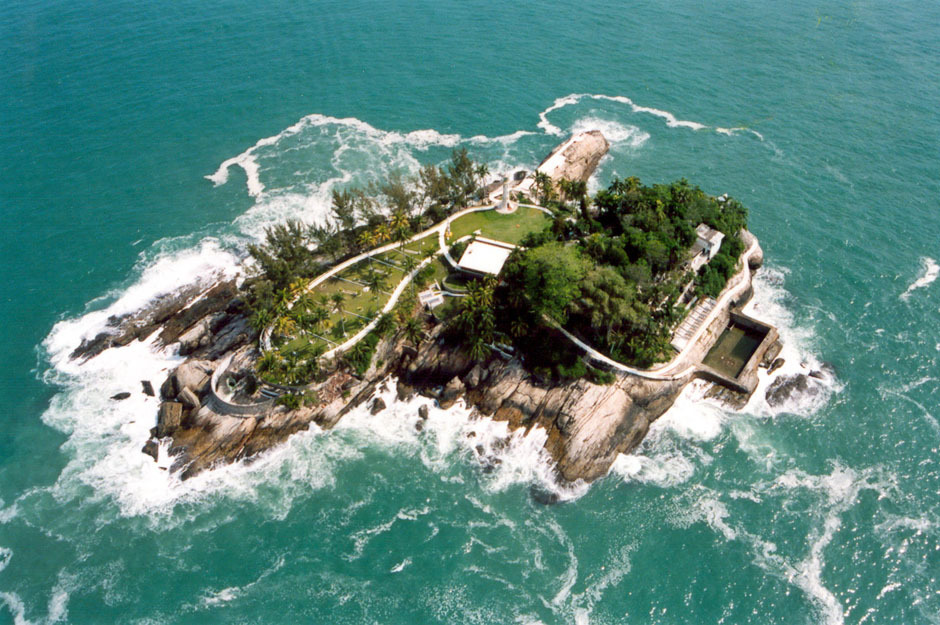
{"points": [[423, 246], [510, 228]]}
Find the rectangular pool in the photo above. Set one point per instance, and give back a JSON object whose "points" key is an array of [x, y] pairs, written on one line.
{"points": [[733, 349]]}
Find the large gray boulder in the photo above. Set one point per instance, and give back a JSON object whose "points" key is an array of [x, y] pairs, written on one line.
{"points": [[192, 374]]}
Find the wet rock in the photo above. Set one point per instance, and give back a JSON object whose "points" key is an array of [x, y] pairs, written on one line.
{"points": [[192, 374], [139, 325], [771, 354], [236, 333], [378, 406], [756, 259], [474, 377], [424, 412], [452, 392], [419, 425], [169, 418], [543, 496], [120, 396], [776, 364], [404, 391], [580, 156], [151, 448], [194, 338], [147, 387], [215, 299], [785, 387]]}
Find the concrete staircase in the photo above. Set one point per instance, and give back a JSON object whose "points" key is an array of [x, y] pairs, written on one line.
{"points": [[692, 322]]}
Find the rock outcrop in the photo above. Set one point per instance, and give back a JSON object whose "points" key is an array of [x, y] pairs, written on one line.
{"points": [[587, 424], [576, 158]]}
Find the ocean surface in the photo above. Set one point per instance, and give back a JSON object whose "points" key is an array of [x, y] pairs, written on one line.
{"points": [[142, 145]]}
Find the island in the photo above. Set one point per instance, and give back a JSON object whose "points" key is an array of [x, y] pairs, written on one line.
{"points": [[523, 296]]}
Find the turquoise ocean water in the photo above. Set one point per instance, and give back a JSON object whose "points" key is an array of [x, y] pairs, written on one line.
{"points": [[143, 144]]}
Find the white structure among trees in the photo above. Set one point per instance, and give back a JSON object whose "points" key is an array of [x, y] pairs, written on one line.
{"points": [[707, 243]]}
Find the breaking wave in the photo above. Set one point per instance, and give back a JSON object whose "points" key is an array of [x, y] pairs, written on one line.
{"points": [[290, 175], [929, 272]]}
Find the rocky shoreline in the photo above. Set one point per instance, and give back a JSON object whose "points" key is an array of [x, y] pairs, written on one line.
{"points": [[587, 424], [213, 409]]}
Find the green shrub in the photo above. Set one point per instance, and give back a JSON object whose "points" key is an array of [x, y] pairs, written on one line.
{"points": [[599, 376], [291, 401]]}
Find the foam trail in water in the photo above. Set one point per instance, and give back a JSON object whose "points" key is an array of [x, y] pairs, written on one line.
{"points": [[671, 120], [619, 135], [417, 139], [929, 272]]}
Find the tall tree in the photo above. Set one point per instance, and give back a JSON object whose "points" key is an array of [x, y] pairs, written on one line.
{"points": [[337, 299]]}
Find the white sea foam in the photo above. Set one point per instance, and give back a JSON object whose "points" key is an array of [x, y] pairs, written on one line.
{"points": [[248, 160], [671, 120], [219, 597], [509, 457], [205, 264], [769, 303], [16, 607], [836, 493], [929, 272], [621, 136]]}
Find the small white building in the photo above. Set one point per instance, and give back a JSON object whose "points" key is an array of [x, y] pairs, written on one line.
{"points": [[707, 243], [485, 257], [432, 297]]}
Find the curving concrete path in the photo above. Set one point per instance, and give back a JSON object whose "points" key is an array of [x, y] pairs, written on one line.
{"points": [[440, 228], [666, 371]]}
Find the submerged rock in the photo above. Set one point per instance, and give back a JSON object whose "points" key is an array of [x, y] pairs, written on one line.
{"points": [[785, 387], [120, 396]]}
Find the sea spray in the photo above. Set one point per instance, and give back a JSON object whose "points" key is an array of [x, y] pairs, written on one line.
{"points": [[929, 272]]}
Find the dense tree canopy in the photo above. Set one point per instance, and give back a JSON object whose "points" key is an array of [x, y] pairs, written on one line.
{"points": [[612, 270]]}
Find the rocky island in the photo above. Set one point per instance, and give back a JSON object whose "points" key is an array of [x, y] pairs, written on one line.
{"points": [[524, 297]]}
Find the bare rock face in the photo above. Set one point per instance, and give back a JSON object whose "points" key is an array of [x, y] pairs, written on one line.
{"points": [[587, 424], [577, 158], [192, 374]]}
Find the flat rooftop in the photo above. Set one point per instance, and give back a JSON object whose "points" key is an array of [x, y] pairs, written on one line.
{"points": [[485, 256]]}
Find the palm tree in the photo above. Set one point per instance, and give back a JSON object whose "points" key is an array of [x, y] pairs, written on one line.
{"points": [[338, 298], [482, 171], [282, 299], [414, 331], [364, 240], [318, 314], [409, 264], [381, 234], [285, 325], [261, 319], [376, 282], [357, 354], [543, 186], [401, 228], [269, 361]]}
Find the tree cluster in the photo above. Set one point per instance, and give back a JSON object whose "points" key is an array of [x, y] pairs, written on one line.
{"points": [[612, 274]]}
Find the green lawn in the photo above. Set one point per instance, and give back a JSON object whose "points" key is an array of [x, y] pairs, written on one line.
{"points": [[507, 228], [358, 302]]}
